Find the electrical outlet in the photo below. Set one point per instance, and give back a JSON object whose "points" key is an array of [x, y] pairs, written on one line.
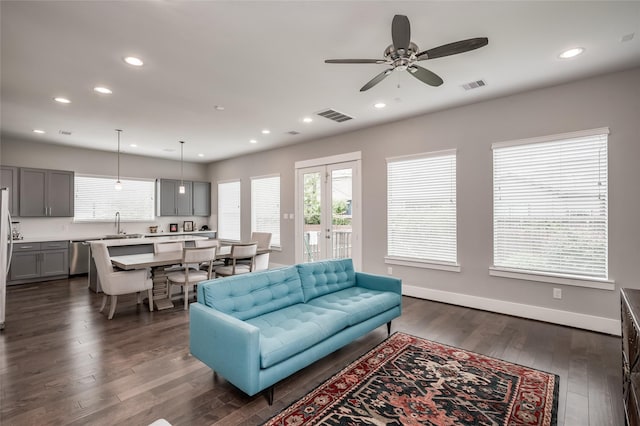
{"points": [[389, 270], [557, 293]]}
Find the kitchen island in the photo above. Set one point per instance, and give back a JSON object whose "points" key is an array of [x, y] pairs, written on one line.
{"points": [[126, 246]]}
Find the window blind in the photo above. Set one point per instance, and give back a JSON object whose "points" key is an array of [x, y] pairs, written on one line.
{"points": [[265, 206], [550, 206], [96, 199], [229, 210], [421, 207]]}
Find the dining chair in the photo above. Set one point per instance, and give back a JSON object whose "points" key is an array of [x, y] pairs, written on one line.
{"points": [[262, 238], [169, 247], [246, 251], [116, 283], [211, 242], [188, 276], [261, 262]]}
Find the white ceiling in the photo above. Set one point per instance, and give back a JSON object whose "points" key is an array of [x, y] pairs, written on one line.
{"points": [[264, 62]]}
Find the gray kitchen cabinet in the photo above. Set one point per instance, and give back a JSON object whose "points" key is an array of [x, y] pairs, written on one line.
{"points": [[9, 179], [46, 193], [201, 199], [185, 201], [196, 201], [32, 262]]}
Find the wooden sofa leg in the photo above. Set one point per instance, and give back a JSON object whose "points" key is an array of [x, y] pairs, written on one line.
{"points": [[269, 394], [389, 328]]}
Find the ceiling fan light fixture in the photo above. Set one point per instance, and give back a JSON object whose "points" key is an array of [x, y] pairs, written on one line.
{"points": [[571, 53]]}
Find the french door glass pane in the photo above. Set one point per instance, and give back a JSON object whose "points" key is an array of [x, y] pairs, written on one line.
{"points": [[312, 215], [341, 219]]}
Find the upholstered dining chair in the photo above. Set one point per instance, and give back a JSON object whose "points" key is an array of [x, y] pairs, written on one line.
{"points": [[116, 283], [246, 251], [168, 247], [209, 243], [188, 276], [262, 238]]}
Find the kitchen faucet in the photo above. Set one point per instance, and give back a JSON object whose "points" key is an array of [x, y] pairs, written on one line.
{"points": [[117, 224]]}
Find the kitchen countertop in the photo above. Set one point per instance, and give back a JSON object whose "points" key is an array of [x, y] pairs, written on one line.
{"points": [[166, 236], [138, 241]]}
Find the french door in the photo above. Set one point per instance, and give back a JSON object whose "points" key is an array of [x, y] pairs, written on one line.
{"points": [[328, 219]]}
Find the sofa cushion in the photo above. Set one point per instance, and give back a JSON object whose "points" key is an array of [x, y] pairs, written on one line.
{"points": [[250, 295], [293, 329], [319, 278], [358, 303]]}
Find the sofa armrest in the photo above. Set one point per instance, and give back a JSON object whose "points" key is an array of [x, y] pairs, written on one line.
{"points": [[227, 345], [379, 282]]}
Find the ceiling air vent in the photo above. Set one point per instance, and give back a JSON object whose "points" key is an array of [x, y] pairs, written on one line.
{"points": [[474, 84], [293, 132], [65, 132], [334, 115]]}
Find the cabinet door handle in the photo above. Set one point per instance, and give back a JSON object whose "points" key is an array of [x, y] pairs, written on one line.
{"points": [[25, 247]]}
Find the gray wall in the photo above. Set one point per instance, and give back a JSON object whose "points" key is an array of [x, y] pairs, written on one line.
{"points": [[611, 100]]}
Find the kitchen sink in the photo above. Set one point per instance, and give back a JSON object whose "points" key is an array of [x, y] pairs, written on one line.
{"points": [[121, 236]]}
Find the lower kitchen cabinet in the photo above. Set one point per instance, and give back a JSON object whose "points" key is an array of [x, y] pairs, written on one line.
{"points": [[32, 262]]}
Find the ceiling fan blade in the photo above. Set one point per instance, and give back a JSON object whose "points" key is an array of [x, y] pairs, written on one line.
{"points": [[453, 48], [425, 76], [354, 61], [377, 79], [400, 32]]}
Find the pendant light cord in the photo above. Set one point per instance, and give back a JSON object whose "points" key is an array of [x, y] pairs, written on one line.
{"points": [[118, 130], [181, 163]]}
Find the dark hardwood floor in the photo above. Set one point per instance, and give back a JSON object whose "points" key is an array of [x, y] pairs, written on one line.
{"points": [[63, 362]]}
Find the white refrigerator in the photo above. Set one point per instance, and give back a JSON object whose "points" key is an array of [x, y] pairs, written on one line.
{"points": [[6, 249]]}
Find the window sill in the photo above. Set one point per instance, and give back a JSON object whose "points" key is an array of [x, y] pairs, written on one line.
{"points": [[600, 284], [414, 263]]}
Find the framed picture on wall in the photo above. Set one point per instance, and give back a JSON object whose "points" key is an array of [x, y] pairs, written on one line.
{"points": [[188, 226]]}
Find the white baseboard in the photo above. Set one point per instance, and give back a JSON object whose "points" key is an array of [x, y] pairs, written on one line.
{"points": [[571, 319]]}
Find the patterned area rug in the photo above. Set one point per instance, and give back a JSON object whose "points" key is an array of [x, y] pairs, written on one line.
{"points": [[407, 380]]}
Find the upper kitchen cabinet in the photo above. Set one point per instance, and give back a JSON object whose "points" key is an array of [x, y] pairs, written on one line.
{"points": [[9, 179], [194, 202], [46, 193], [201, 199]]}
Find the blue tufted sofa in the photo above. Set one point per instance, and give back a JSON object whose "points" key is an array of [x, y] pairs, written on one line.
{"points": [[257, 329]]}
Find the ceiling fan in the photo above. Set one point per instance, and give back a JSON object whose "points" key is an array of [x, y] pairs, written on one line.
{"points": [[402, 54]]}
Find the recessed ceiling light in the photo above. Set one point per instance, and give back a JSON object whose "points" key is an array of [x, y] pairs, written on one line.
{"points": [[380, 105], [132, 60], [570, 53], [133, 145], [103, 90], [266, 131], [219, 108], [307, 119], [62, 100], [38, 131], [253, 141], [200, 155]]}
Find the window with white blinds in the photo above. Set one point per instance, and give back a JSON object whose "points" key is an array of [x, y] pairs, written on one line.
{"points": [[229, 210], [421, 208], [265, 206], [550, 204], [96, 199]]}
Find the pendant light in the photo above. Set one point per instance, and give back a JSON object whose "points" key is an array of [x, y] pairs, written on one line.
{"points": [[181, 188], [118, 184]]}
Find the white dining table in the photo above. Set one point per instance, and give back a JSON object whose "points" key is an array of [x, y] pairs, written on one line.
{"points": [[157, 262]]}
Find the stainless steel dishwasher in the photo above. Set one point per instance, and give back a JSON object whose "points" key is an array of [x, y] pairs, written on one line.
{"points": [[78, 257]]}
